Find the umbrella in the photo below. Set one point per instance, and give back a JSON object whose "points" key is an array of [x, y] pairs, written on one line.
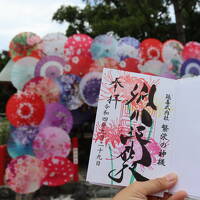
{"points": [[53, 44], [129, 64], [45, 87], [152, 66], [20, 141], [5, 74], [25, 174], [50, 66], [51, 142], [22, 71], [70, 96], [90, 88], [25, 44], [57, 115], [59, 171], [25, 109], [191, 50]]}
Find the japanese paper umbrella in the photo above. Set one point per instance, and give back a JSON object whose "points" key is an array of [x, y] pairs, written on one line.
{"points": [[51, 142], [90, 88], [152, 66], [104, 46], [129, 64], [25, 44], [23, 71], [128, 47], [70, 96], [172, 49], [50, 66], [53, 44], [57, 115], [20, 141], [190, 66], [150, 49], [77, 44], [59, 171], [25, 109], [100, 64], [191, 50], [45, 87], [25, 174]]}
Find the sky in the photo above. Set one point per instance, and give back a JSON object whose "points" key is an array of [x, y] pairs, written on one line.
{"points": [[30, 16]]}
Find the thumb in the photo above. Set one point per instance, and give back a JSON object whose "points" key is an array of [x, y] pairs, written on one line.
{"points": [[155, 185]]}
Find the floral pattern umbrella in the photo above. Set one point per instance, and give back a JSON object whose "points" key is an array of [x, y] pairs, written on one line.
{"points": [[25, 44], [25, 109], [53, 44], [51, 142], [25, 174]]}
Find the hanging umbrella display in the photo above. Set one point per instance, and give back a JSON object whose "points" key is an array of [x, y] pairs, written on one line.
{"points": [[53, 44], [59, 171], [129, 64], [90, 88], [25, 44], [50, 66], [25, 109], [100, 64], [104, 46], [20, 141], [172, 49], [128, 47], [70, 96], [191, 67], [25, 174], [51, 142], [22, 71], [45, 87], [150, 49], [57, 115], [191, 50]]}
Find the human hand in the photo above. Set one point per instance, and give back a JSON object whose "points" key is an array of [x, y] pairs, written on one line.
{"points": [[141, 190]]}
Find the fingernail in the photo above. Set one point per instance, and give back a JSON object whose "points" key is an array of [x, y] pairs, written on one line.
{"points": [[171, 178]]}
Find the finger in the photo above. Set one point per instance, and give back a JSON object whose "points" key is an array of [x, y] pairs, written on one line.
{"points": [[155, 185], [178, 196]]}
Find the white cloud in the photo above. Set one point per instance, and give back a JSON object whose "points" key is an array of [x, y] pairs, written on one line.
{"points": [[30, 15]]}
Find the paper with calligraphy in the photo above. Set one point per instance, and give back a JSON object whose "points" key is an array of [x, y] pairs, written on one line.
{"points": [[133, 128]]}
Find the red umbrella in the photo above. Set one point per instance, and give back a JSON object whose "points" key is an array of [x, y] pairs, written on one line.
{"points": [[191, 50], [129, 64], [150, 49], [59, 171], [25, 109]]}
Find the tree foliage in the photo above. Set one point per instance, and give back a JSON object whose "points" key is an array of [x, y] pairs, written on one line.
{"points": [[140, 19]]}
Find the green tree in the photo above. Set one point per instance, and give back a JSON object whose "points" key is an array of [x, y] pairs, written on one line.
{"points": [[140, 19]]}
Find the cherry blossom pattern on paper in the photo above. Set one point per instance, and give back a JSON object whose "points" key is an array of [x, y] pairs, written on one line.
{"points": [[53, 44], [90, 88], [57, 115], [25, 174], [69, 85], [59, 171], [20, 141], [51, 142], [25, 44], [25, 108], [50, 66], [45, 87]]}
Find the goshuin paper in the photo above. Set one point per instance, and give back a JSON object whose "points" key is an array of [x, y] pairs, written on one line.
{"points": [[145, 127]]}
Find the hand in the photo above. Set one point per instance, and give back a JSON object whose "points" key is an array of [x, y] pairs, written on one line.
{"points": [[141, 190]]}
